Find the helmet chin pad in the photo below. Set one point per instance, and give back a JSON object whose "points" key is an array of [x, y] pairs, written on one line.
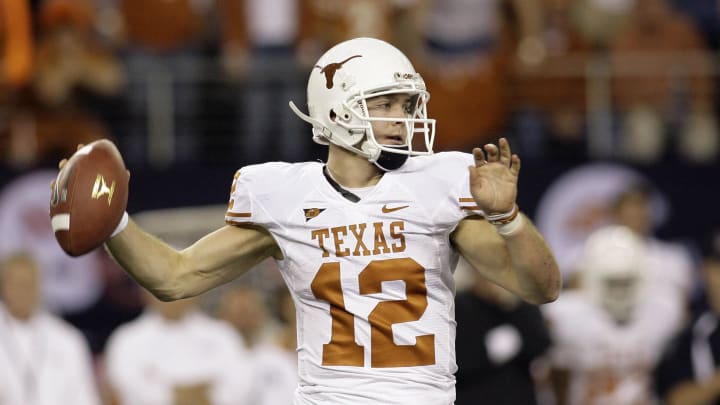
{"points": [[388, 161]]}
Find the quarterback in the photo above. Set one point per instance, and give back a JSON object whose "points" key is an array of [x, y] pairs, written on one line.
{"points": [[367, 241]]}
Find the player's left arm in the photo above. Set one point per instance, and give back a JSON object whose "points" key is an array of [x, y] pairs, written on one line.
{"points": [[513, 255]]}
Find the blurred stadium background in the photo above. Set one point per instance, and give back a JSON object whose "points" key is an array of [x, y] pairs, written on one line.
{"points": [[593, 95]]}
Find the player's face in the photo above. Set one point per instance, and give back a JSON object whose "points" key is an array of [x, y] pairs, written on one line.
{"points": [[243, 308], [391, 106], [619, 297], [20, 288]]}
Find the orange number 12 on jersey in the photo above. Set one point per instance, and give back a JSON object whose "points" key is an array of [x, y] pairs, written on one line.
{"points": [[342, 349]]}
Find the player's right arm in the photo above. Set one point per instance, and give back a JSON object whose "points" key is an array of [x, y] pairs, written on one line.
{"points": [[172, 274]]}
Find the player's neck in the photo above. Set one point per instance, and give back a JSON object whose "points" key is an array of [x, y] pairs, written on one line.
{"points": [[351, 170]]}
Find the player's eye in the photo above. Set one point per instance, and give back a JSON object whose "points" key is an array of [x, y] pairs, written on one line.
{"points": [[409, 108], [382, 106]]}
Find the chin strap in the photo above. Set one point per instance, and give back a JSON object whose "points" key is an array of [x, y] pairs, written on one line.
{"points": [[389, 161]]}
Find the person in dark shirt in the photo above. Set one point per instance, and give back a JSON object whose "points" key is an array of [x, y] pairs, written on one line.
{"points": [[498, 337], [689, 372]]}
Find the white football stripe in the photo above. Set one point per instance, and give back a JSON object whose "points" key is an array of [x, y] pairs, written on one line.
{"points": [[84, 150], [60, 222]]}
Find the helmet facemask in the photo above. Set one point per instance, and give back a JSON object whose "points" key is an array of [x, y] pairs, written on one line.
{"points": [[418, 133]]}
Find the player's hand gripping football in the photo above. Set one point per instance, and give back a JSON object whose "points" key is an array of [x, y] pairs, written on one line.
{"points": [[89, 197], [493, 179]]}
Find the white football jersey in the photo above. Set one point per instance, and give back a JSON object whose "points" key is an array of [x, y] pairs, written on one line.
{"points": [[609, 363], [371, 280]]}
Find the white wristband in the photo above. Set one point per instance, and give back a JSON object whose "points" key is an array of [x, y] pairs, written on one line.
{"points": [[511, 227], [122, 225]]}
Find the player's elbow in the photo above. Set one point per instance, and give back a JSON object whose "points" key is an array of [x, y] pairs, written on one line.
{"points": [[172, 286], [167, 295], [184, 278], [167, 292]]}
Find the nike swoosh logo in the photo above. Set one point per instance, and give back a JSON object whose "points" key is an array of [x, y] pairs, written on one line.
{"points": [[386, 209]]}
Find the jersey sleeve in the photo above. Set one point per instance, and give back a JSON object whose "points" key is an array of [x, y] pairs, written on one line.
{"points": [[260, 193], [463, 200], [240, 206]]}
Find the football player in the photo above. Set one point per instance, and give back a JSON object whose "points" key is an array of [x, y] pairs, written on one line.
{"points": [[365, 241], [609, 333]]}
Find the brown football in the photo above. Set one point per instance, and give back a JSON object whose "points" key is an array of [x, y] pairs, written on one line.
{"points": [[89, 197]]}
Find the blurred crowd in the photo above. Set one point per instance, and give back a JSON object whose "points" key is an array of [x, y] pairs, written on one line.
{"points": [[195, 82]]}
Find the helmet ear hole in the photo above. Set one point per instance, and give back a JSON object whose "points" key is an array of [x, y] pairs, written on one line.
{"points": [[332, 115]]}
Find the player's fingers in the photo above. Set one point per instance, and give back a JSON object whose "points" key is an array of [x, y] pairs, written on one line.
{"points": [[62, 163], [492, 152], [505, 151], [473, 173], [52, 185], [80, 145], [479, 156], [515, 165]]}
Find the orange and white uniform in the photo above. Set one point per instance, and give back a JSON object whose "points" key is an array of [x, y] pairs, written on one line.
{"points": [[609, 363], [372, 280]]}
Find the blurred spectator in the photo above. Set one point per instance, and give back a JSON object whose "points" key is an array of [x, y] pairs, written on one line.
{"points": [[599, 21], [274, 362], [70, 57], [688, 373], [43, 360], [72, 68], [498, 338], [174, 354], [259, 56], [69, 284], [469, 50], [610, 332], [16, 46], [162, 43], [550, 96], [37, 134], [663, 84], [16, 63], [324, 23], [160, 26]]}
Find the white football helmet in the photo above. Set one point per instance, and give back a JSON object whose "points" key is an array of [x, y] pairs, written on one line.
{"points": [[613, 268], [339, 84]]}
